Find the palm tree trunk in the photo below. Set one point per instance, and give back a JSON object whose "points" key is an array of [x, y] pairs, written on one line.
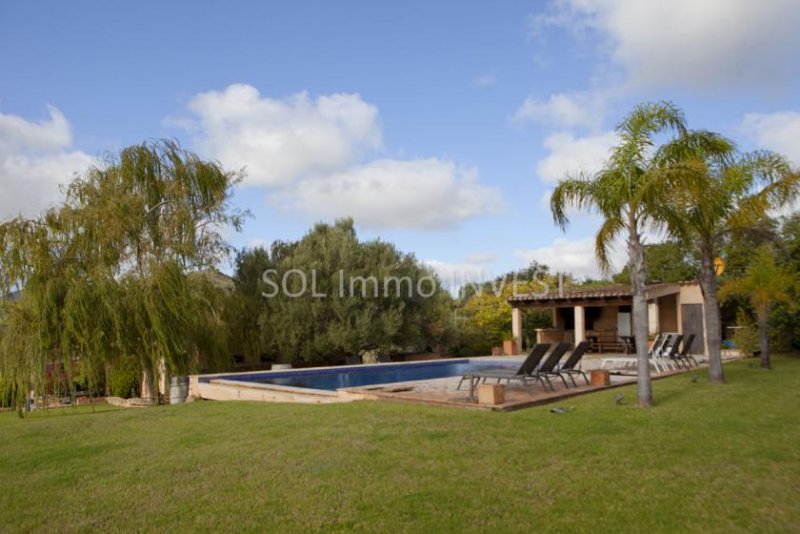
{"points": [[763, 337], [638, 270], [713, 327]]}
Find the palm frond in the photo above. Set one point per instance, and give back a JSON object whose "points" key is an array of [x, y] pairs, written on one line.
{"points": [[604, 241], [577, 192]]}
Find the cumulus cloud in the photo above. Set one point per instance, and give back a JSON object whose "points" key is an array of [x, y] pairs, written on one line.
{"points": [[389, 193], [779, 132], [456, 275], [569, 154], [575, 256], [565, 110], [708, 44], [35, 159], [280, 140], [318, 156]]}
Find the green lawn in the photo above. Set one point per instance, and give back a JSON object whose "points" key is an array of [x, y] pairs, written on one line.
{"points": [[704, 459]]}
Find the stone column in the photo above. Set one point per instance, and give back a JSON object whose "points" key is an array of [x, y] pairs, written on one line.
{"points": [[653, 319], [516, 327], [580, 324]]}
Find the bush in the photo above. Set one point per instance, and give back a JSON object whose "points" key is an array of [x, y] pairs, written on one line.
{"points": [[124, 378], [746, 337]]}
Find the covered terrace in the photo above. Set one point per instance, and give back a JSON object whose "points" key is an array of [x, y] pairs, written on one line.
{"points": [[602, 315]]}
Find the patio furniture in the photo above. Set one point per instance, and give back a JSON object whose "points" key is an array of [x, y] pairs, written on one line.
{"points": [[531, 361], [548, 367], [659, 355], [685, 355], [569, 367], [607, 340], [670, 355], [523, 373], [662, 355]]}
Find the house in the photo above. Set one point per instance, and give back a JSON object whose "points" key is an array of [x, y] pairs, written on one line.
{"points": [[603, 316]]}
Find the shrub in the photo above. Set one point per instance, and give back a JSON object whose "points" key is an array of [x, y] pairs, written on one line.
{"points": [[746, 336], [124, 378]]}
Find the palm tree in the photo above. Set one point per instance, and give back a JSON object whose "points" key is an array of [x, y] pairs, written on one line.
{"points": [[631, 197], [764, 285], [722, 192]]}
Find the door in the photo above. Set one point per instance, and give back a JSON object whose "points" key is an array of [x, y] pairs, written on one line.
{"points": [[692, 323]]}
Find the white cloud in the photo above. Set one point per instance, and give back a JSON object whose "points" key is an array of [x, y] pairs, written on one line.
{"points": [[779, 132], [456, 275], [479, 258], [279, 140], [569, 154], [313, 155], [689, 43], [565, 110], [35, 159], [484, 81], [575, 256], [388, 193]]}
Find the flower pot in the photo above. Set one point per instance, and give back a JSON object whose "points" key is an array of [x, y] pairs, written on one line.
{"points": [[510, 347], [178, 389]]}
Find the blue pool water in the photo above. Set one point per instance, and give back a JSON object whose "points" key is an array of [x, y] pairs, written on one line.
{"points": [[334, 378]]}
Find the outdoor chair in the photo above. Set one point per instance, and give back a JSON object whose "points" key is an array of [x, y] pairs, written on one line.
{"points": [[569, 367], [658, 355], [669, 356], [685, 355], [658, 344], [548, 367], [523, 373]]}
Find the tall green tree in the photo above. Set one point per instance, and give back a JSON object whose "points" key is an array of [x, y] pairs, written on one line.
{"points": [[666, 262], [765, 284], [630, 195], [329, 295], [105, 275], [722, 192]]}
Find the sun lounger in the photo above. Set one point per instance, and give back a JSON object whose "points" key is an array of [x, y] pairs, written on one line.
{"points": [[658, 356], [685, 355], [668, 356], [548, 367], [569, 367], [523, 373]]}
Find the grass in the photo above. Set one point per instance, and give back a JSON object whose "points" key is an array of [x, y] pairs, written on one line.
{"points": [[705, 459]]}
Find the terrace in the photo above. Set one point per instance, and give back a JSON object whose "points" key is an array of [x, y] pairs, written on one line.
{"points": [[602, 315], [276, 386]]}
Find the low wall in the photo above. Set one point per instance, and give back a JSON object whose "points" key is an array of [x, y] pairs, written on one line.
{"points": [[220, 389]]}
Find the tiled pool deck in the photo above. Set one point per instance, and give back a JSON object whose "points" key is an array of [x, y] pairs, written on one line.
{"points": [[443, 391]]}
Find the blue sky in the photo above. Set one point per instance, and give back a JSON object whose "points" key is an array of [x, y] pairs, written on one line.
{"points": [[440, 126]]}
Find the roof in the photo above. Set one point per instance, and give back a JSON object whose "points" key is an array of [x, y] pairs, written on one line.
{"points": [[597, 293], [614, 291]]}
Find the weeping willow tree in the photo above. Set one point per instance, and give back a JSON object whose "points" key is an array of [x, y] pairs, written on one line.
{"points": [[106, 276]]}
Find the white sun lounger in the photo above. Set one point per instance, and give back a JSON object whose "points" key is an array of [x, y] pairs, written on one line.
{"points": [[665, 344]]}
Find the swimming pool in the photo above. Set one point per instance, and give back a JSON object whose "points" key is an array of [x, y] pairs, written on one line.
{"points": [[333, 378]]}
